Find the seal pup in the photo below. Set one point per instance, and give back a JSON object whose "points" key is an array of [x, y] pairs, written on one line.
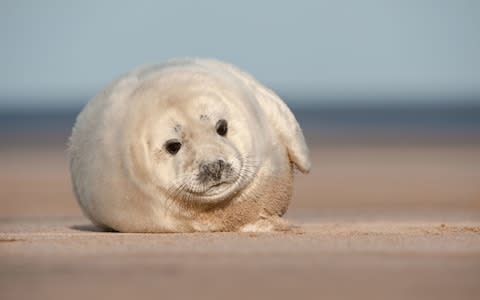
{"points": [[188, 145]]}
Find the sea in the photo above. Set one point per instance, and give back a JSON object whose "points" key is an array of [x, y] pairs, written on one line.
{"points": [[393, 123]]}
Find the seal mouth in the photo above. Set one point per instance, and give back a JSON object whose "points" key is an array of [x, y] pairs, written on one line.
{"points": [[216, 190], [218, 185]]}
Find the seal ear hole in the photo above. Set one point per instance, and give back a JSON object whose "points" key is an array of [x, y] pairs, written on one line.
{"points": [[222, 127], [173, 146]]}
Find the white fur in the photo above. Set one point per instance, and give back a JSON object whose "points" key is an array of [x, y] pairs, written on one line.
{"points": [[124, 178]]}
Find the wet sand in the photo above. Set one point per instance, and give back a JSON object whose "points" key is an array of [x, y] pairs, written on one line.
{"points": [[380, 222]]}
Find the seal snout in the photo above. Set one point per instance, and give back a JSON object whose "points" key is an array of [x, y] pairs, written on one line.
{"points": [[213, 171]]}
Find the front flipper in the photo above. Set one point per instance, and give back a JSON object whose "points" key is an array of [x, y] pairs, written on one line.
{"points": [[270, 224]]}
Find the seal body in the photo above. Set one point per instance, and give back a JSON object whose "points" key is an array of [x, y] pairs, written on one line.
{"points": [[188, 145]]}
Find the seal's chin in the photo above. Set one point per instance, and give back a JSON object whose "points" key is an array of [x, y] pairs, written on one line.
{"points": [[215, 193]]}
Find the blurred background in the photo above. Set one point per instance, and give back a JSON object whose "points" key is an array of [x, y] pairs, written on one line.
{"points": [[387, 92], [388, 96]]}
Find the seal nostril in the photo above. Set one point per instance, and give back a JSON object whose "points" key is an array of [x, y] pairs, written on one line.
{"points": [[221, 164]]}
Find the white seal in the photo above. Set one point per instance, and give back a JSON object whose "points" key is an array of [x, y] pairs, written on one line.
{"points": [[188, 145]]}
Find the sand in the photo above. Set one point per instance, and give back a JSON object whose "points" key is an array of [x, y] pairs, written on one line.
{"points": [[379, 221]]}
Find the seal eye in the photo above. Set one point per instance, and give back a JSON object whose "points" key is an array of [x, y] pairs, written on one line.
{"points": [[222, 127], [173, 146]]}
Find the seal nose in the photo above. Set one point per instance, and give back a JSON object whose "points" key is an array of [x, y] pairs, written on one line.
{"points": [[216, 168], [212, 170]]}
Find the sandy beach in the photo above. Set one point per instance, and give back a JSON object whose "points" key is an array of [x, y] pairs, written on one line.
{"points": [[380, 221]]}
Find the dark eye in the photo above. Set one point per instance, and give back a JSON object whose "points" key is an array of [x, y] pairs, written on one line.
{"points": [[222, 127], [173, 146]]}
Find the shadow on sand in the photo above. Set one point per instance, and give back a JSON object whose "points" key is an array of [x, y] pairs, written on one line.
{"points": [[91, 228]]}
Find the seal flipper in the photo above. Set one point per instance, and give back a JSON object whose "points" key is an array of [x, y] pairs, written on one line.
{"points": [[284, 123]]}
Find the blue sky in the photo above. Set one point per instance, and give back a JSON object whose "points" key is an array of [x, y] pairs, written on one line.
{"points": [[60, 53]]}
